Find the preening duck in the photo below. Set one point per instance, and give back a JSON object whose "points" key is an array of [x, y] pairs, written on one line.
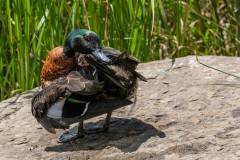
{"points": [[95, 88]]}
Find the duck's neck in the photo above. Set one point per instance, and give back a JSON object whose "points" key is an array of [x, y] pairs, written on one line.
{"points": [[68, 50], [68, 54]]}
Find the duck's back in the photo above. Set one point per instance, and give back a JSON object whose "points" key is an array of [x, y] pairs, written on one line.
{"points": [[56, 65]]}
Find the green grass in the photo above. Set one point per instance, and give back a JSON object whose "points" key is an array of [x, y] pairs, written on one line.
{"points": [[147, 29]]}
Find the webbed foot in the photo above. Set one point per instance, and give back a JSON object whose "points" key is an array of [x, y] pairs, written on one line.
{"points": [[72, 134], [98, 129], [104, 128]]}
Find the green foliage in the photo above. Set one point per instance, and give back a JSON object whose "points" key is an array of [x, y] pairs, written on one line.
{"points": [[147, 29]]}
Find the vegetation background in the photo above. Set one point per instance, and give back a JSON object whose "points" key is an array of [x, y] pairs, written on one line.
{"points": [[147, 29]]}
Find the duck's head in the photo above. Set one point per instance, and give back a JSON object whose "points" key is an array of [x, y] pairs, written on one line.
{"points": [[84, 42]]}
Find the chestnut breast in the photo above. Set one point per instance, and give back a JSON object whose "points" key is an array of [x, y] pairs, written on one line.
{"points": [[56, 65]]}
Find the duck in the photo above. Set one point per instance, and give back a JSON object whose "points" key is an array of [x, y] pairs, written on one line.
{"points": [[61, 60], [98, 85]]}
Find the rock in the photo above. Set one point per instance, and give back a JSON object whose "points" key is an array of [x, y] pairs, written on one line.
{"points": [[180, 114]]}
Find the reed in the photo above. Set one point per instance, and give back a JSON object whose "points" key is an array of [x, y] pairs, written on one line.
{"points": [[147, 29]]}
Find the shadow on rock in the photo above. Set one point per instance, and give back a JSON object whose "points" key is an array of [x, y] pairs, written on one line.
{"points": [[124, 134]]}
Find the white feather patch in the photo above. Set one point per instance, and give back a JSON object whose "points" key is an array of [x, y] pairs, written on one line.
{"points": [[55, 111]]}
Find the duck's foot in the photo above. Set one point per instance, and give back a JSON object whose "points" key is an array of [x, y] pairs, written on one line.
{"points": [[97, 129], [72, 134], [105, 128]]}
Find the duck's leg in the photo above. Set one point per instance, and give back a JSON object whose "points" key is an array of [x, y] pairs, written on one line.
{"points": [[107, 121], [104, 128], [73, 133]]}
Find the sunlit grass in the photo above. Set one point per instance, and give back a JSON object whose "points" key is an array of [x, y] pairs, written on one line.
{"points": [[147, 29]]}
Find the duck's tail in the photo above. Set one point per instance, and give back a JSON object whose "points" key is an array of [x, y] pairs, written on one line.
{"points": [[51, 124]]}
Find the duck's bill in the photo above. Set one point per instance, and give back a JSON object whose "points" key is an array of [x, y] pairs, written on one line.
{"points": [[101, 56]]}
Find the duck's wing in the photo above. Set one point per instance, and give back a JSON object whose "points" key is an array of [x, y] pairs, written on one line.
{"points": [[111, 53], [113, 72], [123, 59], [75, 82], [63, 87], [140, 76], [57, 92], [122, 71], [43, 101]]}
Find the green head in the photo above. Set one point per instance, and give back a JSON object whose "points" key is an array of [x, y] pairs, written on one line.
{"points": [[85, 42]]}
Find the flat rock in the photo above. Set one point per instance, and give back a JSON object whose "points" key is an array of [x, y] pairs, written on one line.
{"points": [[182, 112]]}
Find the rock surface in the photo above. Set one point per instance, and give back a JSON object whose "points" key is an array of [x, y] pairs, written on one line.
{"points": [[178, 115]]}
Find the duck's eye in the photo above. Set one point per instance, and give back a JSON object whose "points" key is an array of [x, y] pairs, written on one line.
{"points": [[86, 38]]}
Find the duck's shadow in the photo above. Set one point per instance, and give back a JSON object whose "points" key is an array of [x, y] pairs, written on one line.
{"points": [[124, 134]]}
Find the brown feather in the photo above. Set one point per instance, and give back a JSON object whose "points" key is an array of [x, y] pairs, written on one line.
{"points": [[60, 89], [121, 76], [56, 65]]}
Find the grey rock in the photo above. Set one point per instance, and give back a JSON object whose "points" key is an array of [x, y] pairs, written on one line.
{"points": [[180, 114]]}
